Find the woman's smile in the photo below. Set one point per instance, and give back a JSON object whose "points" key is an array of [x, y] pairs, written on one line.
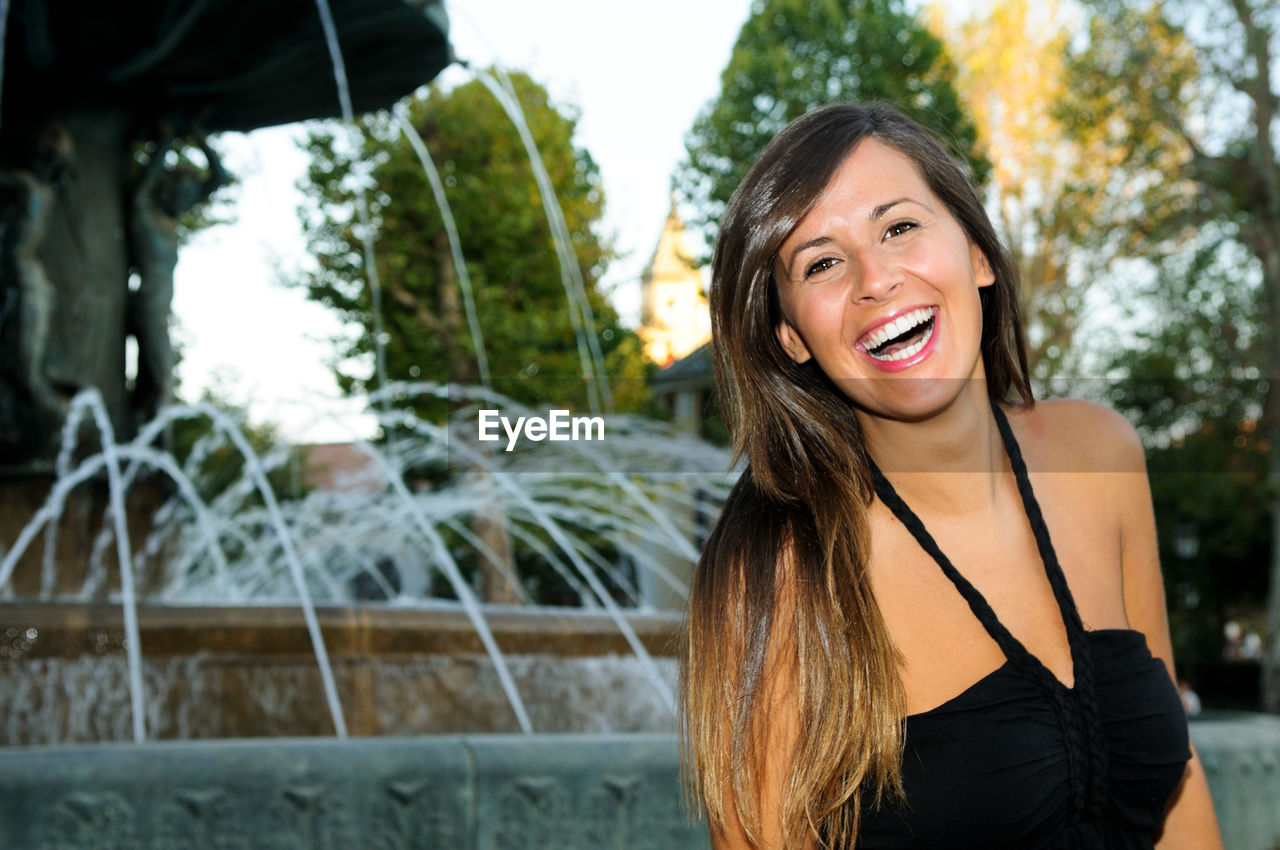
{"points": [[900, 342], [879, 281]]}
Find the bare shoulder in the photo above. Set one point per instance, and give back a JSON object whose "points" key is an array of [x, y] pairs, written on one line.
{"points": [[1086, 462], [1073, 435]]}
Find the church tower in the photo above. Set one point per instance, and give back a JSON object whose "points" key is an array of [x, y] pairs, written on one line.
{"points": [[674, 315]]}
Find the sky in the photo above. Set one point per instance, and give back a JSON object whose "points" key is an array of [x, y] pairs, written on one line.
{"points": [[638, 73]]}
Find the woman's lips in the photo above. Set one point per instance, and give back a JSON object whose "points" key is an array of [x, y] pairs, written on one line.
{"points": [[901, 341]]}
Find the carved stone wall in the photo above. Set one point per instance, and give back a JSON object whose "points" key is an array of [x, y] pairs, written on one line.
{"points": [[453, 793], [479, 792]]}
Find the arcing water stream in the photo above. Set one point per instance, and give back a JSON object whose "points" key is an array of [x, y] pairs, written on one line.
{"points": [[578, 508]]}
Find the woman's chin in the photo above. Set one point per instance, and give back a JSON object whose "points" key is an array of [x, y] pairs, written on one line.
{"points": [[909, 398]]}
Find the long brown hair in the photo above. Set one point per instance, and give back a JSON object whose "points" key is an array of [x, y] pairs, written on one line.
{"points": [[782, 586]]}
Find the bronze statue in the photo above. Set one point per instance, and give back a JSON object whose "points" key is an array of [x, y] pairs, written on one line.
{"points": [[27, 196], [160, 199]]}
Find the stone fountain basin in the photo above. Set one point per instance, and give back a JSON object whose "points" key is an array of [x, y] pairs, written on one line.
{"points": [[249, 671], [432, 763]]}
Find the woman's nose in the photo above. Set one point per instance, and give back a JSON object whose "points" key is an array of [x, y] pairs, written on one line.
{"points": [[876, 277]]}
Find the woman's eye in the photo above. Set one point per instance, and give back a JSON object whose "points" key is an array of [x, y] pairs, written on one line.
{"points": [[820, 266], [899, 228]]}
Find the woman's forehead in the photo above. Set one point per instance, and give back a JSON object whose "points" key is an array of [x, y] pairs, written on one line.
{"points": [[869, 174]]}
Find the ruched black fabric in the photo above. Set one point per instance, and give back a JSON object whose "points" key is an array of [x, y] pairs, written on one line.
{"points": [[1019, 760]]}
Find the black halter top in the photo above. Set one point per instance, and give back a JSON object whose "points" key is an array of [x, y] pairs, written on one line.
{"points": [[1019, 760]]}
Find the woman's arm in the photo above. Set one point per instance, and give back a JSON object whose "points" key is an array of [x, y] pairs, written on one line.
{"points": [[777, 756], [1191, 823], [778, 689]]}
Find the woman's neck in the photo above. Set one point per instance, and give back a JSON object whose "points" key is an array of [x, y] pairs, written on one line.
{"points": [[949, 463]]}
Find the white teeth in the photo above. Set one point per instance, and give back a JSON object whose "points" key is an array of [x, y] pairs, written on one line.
{"points": [[895, 329], [910, 351]]}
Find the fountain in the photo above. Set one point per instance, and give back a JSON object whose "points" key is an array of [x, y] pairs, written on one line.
{"points": [[242, 588], [403, 668]]}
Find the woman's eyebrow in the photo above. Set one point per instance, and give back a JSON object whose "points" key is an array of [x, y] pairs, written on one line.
{"points": [[880, 210], [804, 246]]}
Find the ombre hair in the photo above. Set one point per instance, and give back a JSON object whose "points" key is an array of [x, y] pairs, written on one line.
{"points": [[781, 593]]}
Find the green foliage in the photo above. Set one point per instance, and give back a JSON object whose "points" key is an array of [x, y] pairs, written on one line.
{"points": [[1214, 480], [1195, 364], [792, 56], [1181, 88], [1065, 193], [1189, 382], [1180, 96], [1212, 483], [1133, 213], [1140, 90], [1134, 91], [523, 312]]}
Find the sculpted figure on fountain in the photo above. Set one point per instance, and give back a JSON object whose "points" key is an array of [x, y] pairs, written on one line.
{"points": [[161, 196], [27, 195]]}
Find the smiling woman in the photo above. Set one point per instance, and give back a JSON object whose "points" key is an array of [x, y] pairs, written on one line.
{"points": [[873, 288], [915, 625]]}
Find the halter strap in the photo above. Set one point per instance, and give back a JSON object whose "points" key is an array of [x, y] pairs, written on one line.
{"points": [[1077, 707]]}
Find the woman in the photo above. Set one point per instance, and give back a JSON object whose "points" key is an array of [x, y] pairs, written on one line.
{"points": [[931, 613]]}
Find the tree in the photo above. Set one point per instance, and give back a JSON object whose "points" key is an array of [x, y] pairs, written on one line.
{"points": [[792, 56], [1205, 112], [520, 301], [1049, 192], [1190, 385]]}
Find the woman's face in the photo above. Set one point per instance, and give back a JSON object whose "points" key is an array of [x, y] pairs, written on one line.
{"points": [[879, 284]]}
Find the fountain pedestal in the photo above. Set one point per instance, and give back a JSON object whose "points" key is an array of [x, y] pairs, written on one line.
{"points": [[231, 672]]}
